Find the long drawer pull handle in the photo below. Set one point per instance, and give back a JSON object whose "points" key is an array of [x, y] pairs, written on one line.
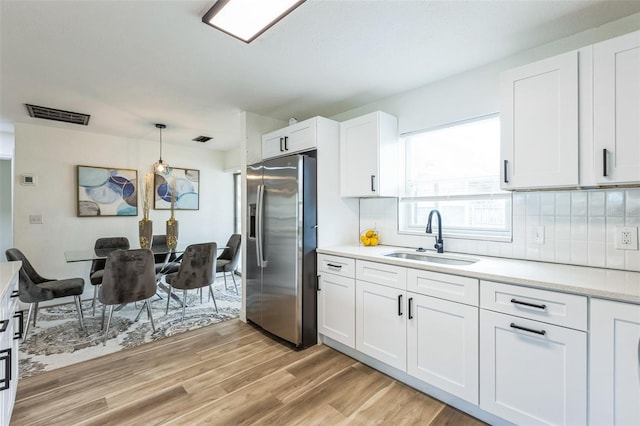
{"points": [[399, 305], [604, 162], [506, 180], [333, 265], [410, 306], [5, 324], [530, 330], [4, 383], [19, 334], [533, 305]]}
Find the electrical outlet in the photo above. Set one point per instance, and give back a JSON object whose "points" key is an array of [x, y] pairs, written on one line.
{"points": [[539, 235], [627, 237], [35, 219]]}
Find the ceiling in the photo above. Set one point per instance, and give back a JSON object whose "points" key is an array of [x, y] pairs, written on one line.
{"points": [[130, 64]]}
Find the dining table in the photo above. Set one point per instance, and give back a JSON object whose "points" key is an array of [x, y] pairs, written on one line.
{"points": [[96, 254]]}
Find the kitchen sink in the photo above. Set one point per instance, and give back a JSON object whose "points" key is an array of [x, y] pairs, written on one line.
{"points": [[446, 260]]}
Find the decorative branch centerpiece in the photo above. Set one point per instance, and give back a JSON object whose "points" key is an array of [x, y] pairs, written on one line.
{"points": [[172, 223], [145, 226]]}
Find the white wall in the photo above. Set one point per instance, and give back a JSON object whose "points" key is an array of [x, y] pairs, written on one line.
{"points": [[583, 237], [52, 155]]}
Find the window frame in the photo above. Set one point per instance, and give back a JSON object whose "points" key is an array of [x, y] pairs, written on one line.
{"points": [[407, 204]]}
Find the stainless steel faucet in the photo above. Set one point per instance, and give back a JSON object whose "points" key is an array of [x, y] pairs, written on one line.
{"points": [[439, 245]]}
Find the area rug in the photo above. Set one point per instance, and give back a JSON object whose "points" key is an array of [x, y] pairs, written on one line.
{"points": [[57, 340]]}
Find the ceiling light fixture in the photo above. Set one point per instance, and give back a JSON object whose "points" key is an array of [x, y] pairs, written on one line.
{"points": [[160, 167], [247, 19]]}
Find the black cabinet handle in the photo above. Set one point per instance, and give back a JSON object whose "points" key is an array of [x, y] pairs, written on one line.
{"points": [[604, 162], [15, 293], [333, 265], [318, 283], [373, 183], [281, 139], [506, 180], [5, 355], [530, 330], [286, 139], [20, 332], [533, 305], [410, 306], [3, 325], [399, 305]]}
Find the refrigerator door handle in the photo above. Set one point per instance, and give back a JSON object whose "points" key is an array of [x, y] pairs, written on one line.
{"points": [[259, 226]]}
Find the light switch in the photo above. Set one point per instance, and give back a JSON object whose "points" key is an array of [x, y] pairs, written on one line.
{"points": [[35, 219]]}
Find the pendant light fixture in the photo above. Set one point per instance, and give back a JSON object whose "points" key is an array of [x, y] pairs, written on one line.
{"points": [[160, 167]]}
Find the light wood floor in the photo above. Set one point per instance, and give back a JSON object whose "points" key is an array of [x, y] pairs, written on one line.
{"points": [[226, 374]]}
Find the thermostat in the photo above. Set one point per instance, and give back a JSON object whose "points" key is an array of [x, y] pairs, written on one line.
{"points": [[30, 180]]}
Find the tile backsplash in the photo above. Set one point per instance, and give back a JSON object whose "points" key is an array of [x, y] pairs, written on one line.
{"points": [[579, 227]]}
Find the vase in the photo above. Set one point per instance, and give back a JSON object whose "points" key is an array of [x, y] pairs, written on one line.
{"points": [[172, 233], [145, 232]]}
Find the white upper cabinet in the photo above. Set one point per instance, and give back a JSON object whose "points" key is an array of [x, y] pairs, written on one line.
{"points": [[539, 119], [299, 137], [616, 109], [369, 156]]}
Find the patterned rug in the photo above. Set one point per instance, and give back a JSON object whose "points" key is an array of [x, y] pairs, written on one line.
{"points": [[57, 340]]}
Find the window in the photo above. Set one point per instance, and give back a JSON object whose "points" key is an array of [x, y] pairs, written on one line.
{"points": [[455, 169]]}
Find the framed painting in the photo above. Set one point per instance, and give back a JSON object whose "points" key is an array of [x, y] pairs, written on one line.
{"points": [[186, 183], [104, 191]]}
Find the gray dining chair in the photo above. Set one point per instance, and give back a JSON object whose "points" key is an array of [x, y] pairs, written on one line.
{"points": [[228, 260], [129, 276], [103, 246], [33, 288], [166, 262], [197, 270]]}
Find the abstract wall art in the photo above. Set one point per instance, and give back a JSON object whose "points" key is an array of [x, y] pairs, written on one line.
{"points": [[104, 191], [187, 189]]}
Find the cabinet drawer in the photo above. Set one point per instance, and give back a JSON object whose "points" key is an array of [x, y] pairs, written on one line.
{"points": [[443, 286], [337, 265], [380, 273], [567, 310]]}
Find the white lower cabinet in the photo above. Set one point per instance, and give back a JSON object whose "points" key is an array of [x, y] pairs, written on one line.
{"points": [[532, 372], [337, 299], [10, 334], [381, 329], [614, 369], [442, 344]]}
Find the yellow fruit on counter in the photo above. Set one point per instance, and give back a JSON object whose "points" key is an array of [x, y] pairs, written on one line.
{"points": [[374, 241], [366, 241], [369, 233]]}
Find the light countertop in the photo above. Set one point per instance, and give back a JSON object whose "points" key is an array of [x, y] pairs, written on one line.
{"points": [[612, 284], [8, 270]]}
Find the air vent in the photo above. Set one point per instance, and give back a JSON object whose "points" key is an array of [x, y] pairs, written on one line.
{"points": [[202, 139], [58, 115]]}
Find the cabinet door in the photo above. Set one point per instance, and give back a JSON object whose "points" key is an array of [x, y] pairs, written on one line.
{"points": [[614, 366], [442, 345], [616, 109], [337, 308], [531, 372], [300, 137], [539, 120], [359, 172], [273, 144], [381, 323]]}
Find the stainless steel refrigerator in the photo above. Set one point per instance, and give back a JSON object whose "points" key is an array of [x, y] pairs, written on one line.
{"points": [[281, 243]]}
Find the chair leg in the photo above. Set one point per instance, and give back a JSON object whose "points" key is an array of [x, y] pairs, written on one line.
{"points": [[103, 309], [35, 313], [144, 305], [168, 300], [224, 275], [26, 328], [213, 297], [233, 275], [95, 298], [148, 303], [184, 302], [79, 308], [106, 332]]}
